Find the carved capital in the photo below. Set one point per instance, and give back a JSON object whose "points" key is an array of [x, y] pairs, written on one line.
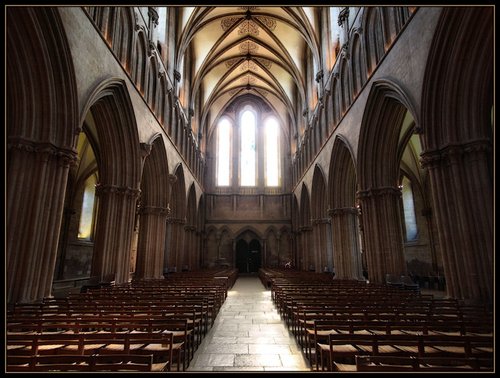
{"points": [[119, 190], [65, 156], [342, 211], [176, 220], [320, 221], [377, 192], [453, 152]]}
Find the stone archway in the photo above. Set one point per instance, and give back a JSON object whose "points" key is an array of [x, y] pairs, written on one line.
{"points": [[248, 256]]}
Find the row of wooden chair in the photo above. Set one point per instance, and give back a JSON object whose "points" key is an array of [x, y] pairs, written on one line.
{"points": [[163, 318], [375, 320], [380, 364], [85, 363]]}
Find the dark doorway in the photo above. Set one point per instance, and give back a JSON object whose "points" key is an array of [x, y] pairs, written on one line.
{"points": [[248, 256]]}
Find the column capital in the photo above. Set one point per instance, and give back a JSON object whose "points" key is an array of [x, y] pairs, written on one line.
{"points": [[453, 151], [378, 192], [115, 189], [67, 156], [342, 211]]}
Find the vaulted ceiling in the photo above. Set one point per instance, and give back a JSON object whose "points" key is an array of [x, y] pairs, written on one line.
{"points": [[254, 49]]}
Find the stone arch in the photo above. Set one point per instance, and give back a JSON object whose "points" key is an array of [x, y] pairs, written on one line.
{"points": [[139, 61], [41, 129], [162, 100], [153, 210], [336, 102], [342, 187], [200, 246], [189, 256], [119, 163], [306, 261], [345, 86], [123, 35], [374, 38], [320, 223], [457, 105], [295, 229], [177, 220], [152, 84], [358, 64], [378, 173], [248, 250]]}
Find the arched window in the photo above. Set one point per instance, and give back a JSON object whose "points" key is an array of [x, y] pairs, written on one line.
{"points": [[87, 213], [248, 148], [409, 210], [272, 151], [223, 152]]}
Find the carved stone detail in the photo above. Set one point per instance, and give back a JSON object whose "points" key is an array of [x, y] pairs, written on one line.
{"points": [[342, 211], [122, 190], [67, 156], [343, 15], [382, 191]]}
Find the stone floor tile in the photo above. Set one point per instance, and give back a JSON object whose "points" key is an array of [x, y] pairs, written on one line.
{"points": [[257, 360]]}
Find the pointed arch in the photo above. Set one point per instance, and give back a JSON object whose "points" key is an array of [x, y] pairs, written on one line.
{"points": [[345, 85], [342, 183], [379, 138], [358, 64], [153, 211], [342, 186], [374, 37], [122, 40], [378, 176], [139, 66], [152, 83]]}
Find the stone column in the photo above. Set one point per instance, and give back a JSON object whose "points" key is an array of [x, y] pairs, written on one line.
{"points": [[115, 226], [305, 251], [178, 238], [347, 257], [189, 246], [320, 243], [382, 232], [152, 231], [461, 186], [278, 242], [36, 181]]}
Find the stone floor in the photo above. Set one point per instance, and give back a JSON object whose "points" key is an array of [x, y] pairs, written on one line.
{"points": [[248, 335]]}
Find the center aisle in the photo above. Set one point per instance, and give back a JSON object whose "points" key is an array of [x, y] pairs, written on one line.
{"points": [[248, 335]]}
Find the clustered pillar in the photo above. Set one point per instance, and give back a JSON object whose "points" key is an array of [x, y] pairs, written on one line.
{"points": [[461, 187], [383, 235], [114, 231], [36, 183]]}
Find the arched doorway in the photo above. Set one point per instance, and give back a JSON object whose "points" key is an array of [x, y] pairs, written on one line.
{"points": [[248, 256]]}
